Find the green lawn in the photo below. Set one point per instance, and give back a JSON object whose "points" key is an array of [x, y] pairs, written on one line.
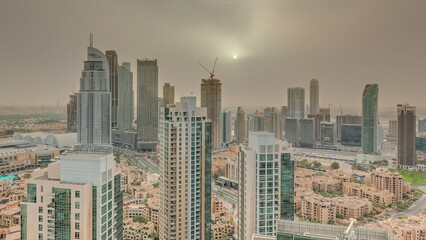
{"points": [[414, 178]]}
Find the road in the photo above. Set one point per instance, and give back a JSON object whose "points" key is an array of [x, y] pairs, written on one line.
{"points": [[417, 208], [142, 162], [225, 194]]}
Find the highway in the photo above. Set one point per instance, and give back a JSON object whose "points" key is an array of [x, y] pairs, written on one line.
{"points": [[417, 208]]}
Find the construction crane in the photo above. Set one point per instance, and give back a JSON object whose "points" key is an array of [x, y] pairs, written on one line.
{"points": [[212, 72], [350, 231]]}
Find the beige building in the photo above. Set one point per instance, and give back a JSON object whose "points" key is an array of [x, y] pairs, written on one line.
{"points": [[137, 231], [352, 207], [359, 190], [168, 94], [392, 181], [232, 170], [327, 184]]}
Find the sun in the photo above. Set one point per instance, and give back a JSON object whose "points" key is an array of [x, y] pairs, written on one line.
{"points": [[235, 56]]}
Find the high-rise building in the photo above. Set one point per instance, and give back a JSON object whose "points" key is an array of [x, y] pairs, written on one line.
{"points": [[147, 112], [266, 190], [292, 131], [406, 136], [296, 102], [112, 57], [80, 197], [393, 129], [258, 122], [168, 94], [284, 115], [307, 127], [326, 113], [125, 110], [226, 128], [422, 125], [72, 114], [211, 98], [318, 118], [370, 119], [276, 123], [240, 126], [346, 119], [185, 171], [314, 96]]}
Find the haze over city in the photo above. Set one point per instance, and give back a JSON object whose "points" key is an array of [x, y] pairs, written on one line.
{"points": [[263, 47]]}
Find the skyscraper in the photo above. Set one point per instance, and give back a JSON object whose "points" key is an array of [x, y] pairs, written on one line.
{"points": [[211, 98], [307, 132], [328, 135], [185, 171], [266, 189], [346, 119], [80, 197], [168, 94], [370, 120], [240, 126], [393, 129], [112, 57], [147, 119], [296, 102], [314, 96], [72, 114], [406, 136], [226, 128], [292, 131], [276, 123], [125, 111]]}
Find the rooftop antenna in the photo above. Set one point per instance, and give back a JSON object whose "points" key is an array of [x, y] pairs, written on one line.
{"points": [[212, 72], [91, 40]]}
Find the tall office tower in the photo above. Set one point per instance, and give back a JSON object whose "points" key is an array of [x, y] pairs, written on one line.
{"points": [[314, 96], [328, 134], [185, 171], [393, 129], [211, 98], [292, 131], [284, 115], [406, 136], [226, 128], [72, 114], [80, 197], [369, 119], [125, 110], [266, 190], [422, 125], [318, 118], [258, 122], [267, 119], [112, 57], [346, 119], [276, 123], [351, 135], [307, 128], [240, 126], [296, 102], [168, 94], [147, 119]]}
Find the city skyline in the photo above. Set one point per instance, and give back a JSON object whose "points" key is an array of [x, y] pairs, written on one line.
{"points": [[333, 62]]}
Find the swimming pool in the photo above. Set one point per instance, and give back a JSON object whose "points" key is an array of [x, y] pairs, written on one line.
{"points": [[8, 177]]}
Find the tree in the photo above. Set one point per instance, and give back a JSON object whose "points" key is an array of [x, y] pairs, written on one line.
{"points": [[27, 175], [317, 164], [140, 219], [335, 165]]}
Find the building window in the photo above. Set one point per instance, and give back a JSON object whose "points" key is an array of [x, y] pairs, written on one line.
{"points": [[77, 205], [77, 226], [77, 216], [40, 209], [77, 235], [40, 227], [77, 194], [40, 218]]}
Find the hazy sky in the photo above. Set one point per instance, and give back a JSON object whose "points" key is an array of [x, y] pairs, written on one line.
{"points": [[279, 44]]}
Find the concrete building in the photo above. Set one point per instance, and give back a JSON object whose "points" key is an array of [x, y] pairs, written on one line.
{"points": [[231, 170], [326, 184], [125, 139], [326, 113], [318, 118], [276, 123], [421, 125], [292, 131], [296, 102], [314, 96], [391, 181], [346, 119], [112, 57], [147, 112], [125, 108], [72, 114], [80, 197], [168, 94], [226, 128], [266, 189], [267, 120], [383, 197], [406, 136], [307, 128], [284, 115], [421, 144], [211, 98], [370, 119], [240, 126], [185, 171]]}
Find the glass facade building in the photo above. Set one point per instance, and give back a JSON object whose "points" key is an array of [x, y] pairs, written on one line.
{"points": [[369, 135]]}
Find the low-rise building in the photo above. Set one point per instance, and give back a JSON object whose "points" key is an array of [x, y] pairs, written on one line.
{"points": [[327, 184], [392, 181], [359, 190]]}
